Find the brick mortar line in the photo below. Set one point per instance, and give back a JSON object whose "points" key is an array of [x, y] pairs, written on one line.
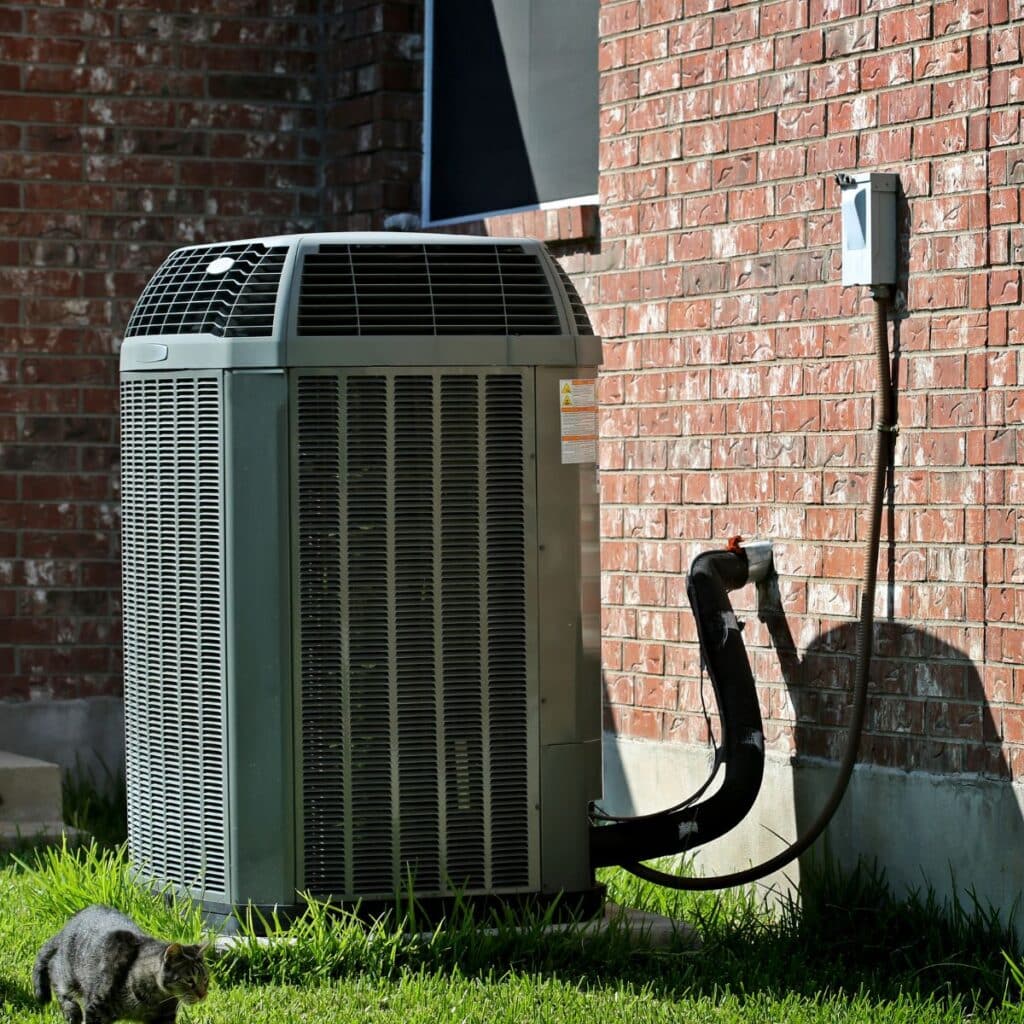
{"points": [[759, 76], [987, 257], [798, 141], [798, 105], [855, 55]]}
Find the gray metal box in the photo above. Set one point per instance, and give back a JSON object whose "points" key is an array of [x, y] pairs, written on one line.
{"points": [[869, 228], [361, 613]]}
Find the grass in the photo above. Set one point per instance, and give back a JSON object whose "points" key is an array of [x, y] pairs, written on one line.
{"points": [[848, 951], [847, 933]]}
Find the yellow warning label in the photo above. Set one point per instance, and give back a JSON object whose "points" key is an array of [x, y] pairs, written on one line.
{"points": [[578, 401], [578, 393]]}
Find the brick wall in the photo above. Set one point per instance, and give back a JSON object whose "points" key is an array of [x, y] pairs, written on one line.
{"points": [[126, 130], [738, 372], [373, 110]]}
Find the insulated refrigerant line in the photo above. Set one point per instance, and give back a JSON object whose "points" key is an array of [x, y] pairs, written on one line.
{"points": [[630, 841]]}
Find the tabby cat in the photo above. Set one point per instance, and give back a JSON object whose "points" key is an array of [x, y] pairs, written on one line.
{"points": [[103, 967]]}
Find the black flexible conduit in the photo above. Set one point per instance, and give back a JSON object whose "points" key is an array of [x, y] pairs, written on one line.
{"points": [[712, 575], [629, 852]]}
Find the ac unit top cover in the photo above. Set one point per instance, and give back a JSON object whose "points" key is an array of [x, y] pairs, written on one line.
{"points": [[359, 299]]}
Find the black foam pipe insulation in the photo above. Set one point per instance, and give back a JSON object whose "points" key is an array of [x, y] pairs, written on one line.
{"points": [[712, 575], [691, 820]]}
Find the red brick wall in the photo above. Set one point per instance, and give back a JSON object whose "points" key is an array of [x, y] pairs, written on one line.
{"points": [[738, 374], [373, 111], [126, 130], [738, 371]]}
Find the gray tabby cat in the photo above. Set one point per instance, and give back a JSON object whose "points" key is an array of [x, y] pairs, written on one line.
{"points": [[105, 962]]}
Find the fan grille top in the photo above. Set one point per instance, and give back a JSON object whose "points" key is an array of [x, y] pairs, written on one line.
{"points": [[579, 310], [360, 286], [425, 289], [229, 291]]}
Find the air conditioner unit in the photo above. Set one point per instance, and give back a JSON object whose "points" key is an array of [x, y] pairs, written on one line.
{"points": [[360, 571]]}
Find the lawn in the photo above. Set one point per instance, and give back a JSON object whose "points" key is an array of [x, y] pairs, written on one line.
{"points": [[848, 952]]}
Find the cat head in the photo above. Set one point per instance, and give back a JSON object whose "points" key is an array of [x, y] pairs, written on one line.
{"points": [[183, 972]]}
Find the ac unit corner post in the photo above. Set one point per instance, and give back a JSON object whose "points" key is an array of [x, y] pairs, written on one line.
{"points": [[361, 585]]}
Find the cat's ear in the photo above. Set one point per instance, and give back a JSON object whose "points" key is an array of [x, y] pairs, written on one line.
{"points": [[172, 952]]}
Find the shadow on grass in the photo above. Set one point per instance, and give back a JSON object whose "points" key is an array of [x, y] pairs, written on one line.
{"points": [[16, 995], [849, 934], [97, 806]]}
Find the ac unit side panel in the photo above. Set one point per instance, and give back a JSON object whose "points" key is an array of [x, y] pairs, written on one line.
{"points": [[569, 641], [257, 580], [414, 588], [569, 572], [174, 631]]}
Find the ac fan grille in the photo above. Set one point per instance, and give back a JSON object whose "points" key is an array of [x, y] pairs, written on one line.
{"points": [[183, 297], [391, 289], [579, 310], [412, 632], [171, 501]]}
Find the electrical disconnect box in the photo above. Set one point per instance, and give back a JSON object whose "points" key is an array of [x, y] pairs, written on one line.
{"points": [[869, 228]]}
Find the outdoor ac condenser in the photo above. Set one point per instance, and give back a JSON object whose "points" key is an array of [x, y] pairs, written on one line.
{"points": [[360, 571]]}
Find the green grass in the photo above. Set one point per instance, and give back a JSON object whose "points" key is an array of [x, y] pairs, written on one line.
{"points": [[846, 932], [849, 952]]}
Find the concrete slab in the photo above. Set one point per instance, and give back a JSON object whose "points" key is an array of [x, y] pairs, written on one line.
{"points": [[30, 790], [18, 836], [652, 930], [84, 736]]}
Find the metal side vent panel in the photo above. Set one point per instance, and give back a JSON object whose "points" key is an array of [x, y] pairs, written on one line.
{"points": [[172, 497], [411, 491], [579, 310], [229, 291], [425, 289]]}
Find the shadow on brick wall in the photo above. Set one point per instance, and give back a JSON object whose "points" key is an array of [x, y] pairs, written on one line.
{"points": [[931, 799], [927, 708]]}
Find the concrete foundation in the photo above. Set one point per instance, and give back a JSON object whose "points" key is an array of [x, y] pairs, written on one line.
{"points": [[29, 790], [951, 832], [82, 736], [31, 809]]}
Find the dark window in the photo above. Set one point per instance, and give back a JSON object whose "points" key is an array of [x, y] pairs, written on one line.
{"points": [[511, 105]]}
